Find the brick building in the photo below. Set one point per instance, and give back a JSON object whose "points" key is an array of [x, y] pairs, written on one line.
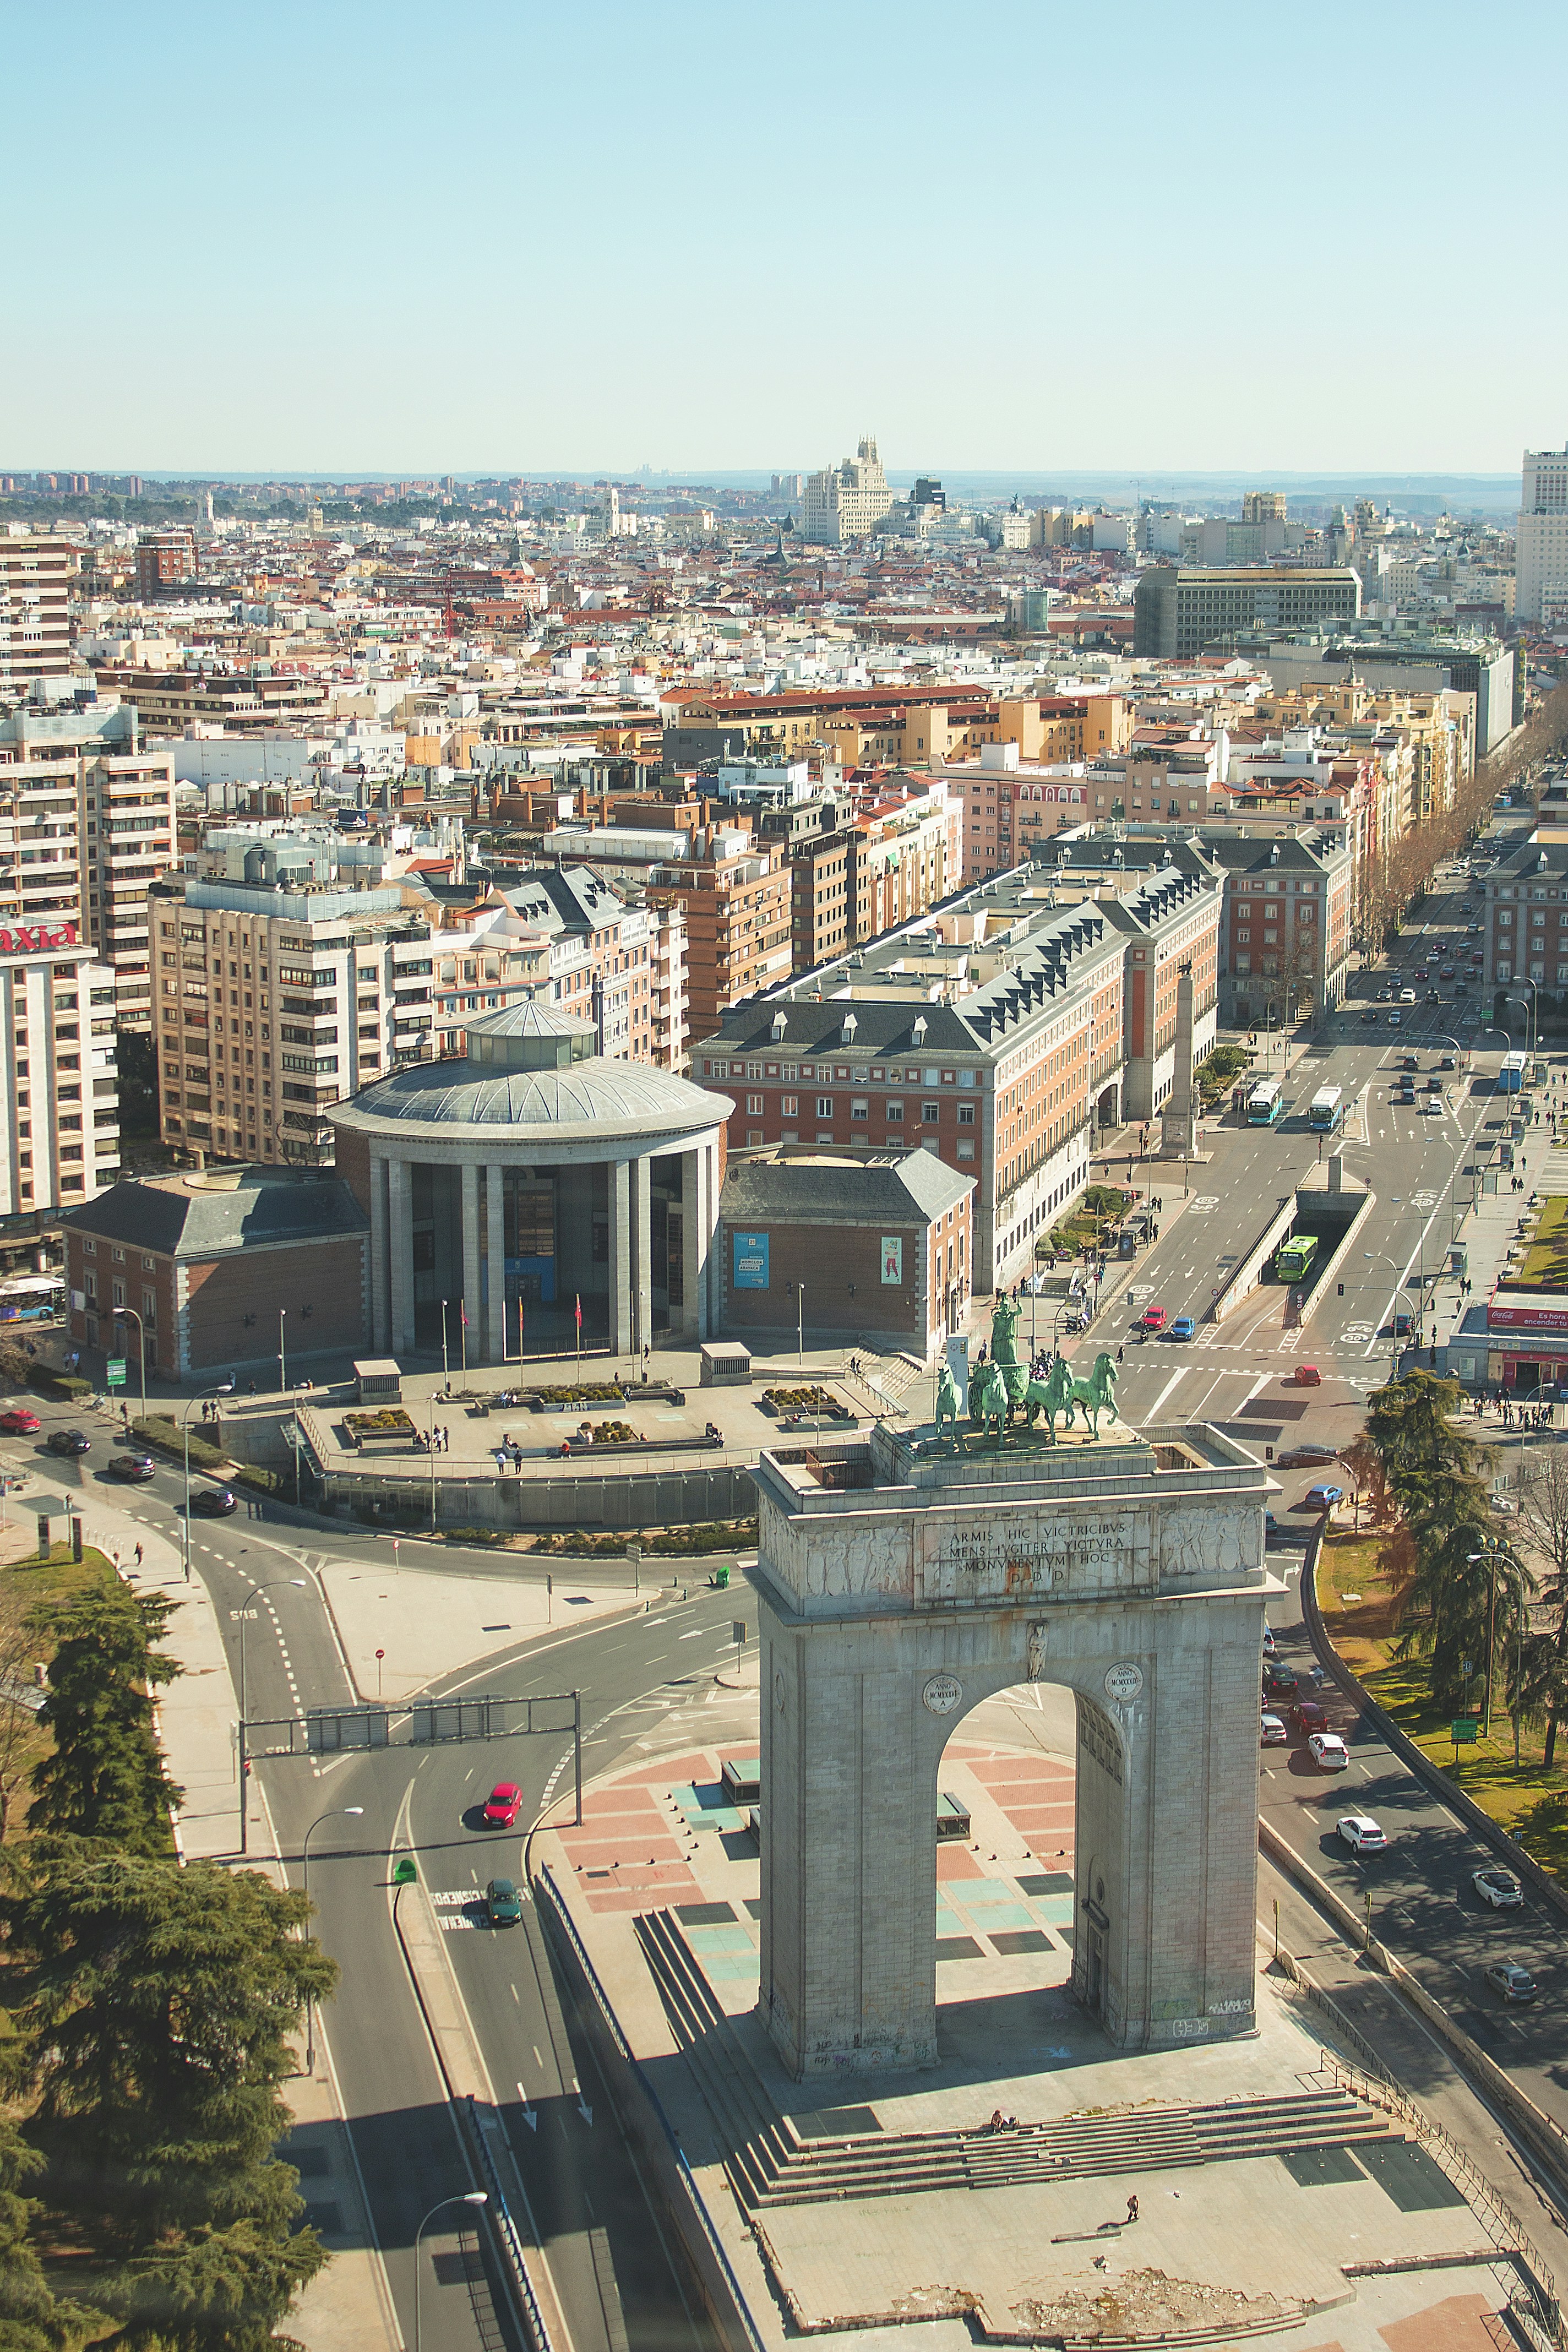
{"points": [[847, 1245], [997, 1034], [209, 1261], [736, 894]]}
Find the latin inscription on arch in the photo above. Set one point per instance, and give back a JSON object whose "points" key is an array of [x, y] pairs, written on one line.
{"points": [[1064, 1558]]}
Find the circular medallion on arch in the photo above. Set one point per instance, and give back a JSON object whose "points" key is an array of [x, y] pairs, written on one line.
{"points": [[779, 1689], [1124, 1683], [943, 1694]]}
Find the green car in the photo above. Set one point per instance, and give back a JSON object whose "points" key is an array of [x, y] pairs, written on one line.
{"points": [[503, 1902]]}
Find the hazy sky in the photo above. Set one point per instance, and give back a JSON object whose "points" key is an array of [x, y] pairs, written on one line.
{"points": [[511, 236]]}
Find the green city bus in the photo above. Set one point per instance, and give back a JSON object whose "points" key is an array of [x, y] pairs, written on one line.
{"points": [[1293, 1258]]}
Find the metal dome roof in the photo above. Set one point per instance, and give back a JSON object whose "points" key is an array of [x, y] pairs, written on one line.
{"points": [[581, 1101]]}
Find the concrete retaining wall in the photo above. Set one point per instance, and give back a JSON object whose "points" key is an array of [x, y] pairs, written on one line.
{"points": [[640, 2114], [607, 1499], [1248, 1274], [1331, 1271]]}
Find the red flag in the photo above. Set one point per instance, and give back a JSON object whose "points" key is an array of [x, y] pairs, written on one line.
{"points": [[463, 1313], [579, 1298], [520, 1327]]}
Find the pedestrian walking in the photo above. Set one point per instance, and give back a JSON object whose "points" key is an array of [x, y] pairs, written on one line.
{"points": [[1132, 2208], [137, 1555]]}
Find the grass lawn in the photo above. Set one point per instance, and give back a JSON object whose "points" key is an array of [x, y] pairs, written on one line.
{"points": [[25, 1584], [1546, 1260], [1360, 1608]]}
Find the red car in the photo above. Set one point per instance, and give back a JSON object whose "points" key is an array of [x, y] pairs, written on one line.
{"points": [[502, 1806], [1152, 1318], [1309, 1716], [20, 1423]]}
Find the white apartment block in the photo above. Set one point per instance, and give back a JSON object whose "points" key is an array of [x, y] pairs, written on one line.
{"points": [[59, 1146], [1541, 541], [847, 501], [87, 822]]}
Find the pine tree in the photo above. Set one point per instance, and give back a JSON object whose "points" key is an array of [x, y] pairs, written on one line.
{"points": [[105, 1778], [160, 2000]]}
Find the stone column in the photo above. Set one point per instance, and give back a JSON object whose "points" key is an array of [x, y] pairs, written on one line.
{"points": [[620, 1258], [642, 1253], [380, 1292], [471, 1307], [693, 1323], [713, 1283], [400, 1219], [495, 1305]]}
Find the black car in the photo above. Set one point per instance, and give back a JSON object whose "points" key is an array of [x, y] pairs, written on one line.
{"points": [[131, 1467], [1409, 1061], [1397, 1328], [69, 1440], [214, 1502], [1447, 1063], [1280, 1683]]}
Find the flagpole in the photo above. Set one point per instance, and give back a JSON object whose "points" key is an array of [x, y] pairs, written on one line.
{"points": [[463, 1311]]}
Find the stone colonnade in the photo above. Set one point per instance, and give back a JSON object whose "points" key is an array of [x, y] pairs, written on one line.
{"points": [[482, 1249]]}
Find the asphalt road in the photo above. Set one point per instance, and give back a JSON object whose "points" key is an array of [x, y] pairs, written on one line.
{"points": [[607, 2258]]}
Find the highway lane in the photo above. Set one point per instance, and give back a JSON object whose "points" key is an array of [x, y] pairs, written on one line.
{"points": [[607, 2259], [1423, 1904]]}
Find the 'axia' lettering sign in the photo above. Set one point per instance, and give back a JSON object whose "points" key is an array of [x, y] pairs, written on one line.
{"points": [[36, 939]]}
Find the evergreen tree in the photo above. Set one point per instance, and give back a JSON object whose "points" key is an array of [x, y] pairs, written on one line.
{"points": [[160, 2000], [1409, 1423], [105, 1778]]}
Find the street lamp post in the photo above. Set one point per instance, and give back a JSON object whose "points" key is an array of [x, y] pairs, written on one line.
{"points": [[1494, 1551], [141, 1349], [469, 2197], [282, 1359], [251, 1591], [445, 1377], [1393, 1318], [344, 1812], [224, 1388]]}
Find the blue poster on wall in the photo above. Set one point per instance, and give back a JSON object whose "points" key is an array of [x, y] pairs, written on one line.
{"points": [[749, 1262]]}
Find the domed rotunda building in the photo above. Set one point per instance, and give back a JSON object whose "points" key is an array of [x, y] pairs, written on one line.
{"points": [[530, 1176]]}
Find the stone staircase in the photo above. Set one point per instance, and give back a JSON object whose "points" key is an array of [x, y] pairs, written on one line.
{"points": [[772, 2161]]}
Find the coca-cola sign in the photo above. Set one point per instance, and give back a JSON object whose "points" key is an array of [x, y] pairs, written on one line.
{"points": [[36, 939]]}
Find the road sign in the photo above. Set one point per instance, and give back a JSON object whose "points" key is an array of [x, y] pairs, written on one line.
{"points": [[114, 1372], [738, 1631], [1462, 1731]]}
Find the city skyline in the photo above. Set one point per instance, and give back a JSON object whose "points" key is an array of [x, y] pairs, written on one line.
{"points": [[366, 262]]}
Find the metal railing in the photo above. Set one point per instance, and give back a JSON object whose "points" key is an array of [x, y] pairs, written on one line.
{"points": [[613, 2026], [508, 2234]]}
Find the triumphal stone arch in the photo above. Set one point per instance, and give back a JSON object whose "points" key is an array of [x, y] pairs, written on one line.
{"points": [[903, 1577]]}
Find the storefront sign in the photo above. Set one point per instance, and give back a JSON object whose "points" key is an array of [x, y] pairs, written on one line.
{"points": [[36, 939], [1527, 1319]]}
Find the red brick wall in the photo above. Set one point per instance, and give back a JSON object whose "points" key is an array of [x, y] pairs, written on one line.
{"points": [[352, 1161], [325, 1277], [827, 1259]]}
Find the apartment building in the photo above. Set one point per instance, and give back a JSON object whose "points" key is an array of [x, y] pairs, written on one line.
{"points": [[87, 822], [243, 702], [60, 1143], [278, 994], [1008, 803], [1541, 533], [36, 576], [736, 894], [616, 958], [166, 562], [844, 502], [1177, 611], [1525, 930], [997, 1033]]}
